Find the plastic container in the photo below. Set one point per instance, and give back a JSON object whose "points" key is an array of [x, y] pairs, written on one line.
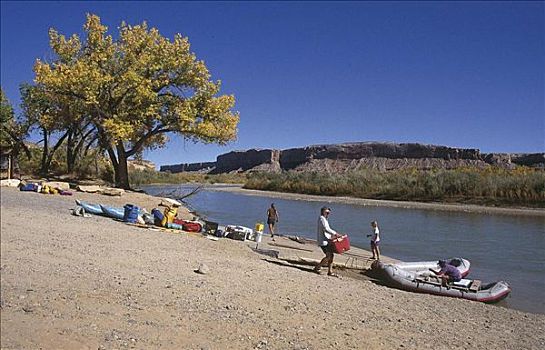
{"points": [[30, 187], [259, 227], [258, 237], [131, 213], [157, 216], [341, 244], [174, 226]]}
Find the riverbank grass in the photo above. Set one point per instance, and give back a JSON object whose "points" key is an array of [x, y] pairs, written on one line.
{"points": [[490, 186]]}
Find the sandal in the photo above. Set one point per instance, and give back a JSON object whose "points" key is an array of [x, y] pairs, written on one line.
{"points": [[333, 274], [317, 271]]}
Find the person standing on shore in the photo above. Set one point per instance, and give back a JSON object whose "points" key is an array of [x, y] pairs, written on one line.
{"points": [[325, 234], [375, 240], [272, 219]]}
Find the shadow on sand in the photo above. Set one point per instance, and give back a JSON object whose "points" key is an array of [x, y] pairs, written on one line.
{"points": [[305, 268]]}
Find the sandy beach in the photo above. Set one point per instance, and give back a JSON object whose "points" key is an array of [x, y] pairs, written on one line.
{"points": [[69, 282]]}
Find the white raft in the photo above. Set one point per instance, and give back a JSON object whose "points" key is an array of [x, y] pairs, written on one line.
{"points": [[466, 288], [422, 268]]}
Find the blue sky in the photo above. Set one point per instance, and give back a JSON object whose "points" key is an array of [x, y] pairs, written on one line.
{"points": [[461, 74]]}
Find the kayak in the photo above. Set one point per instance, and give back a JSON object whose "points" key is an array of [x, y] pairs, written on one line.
{"points": [[90, 208], [104, 210], [470, 289], [422, 268], [112, 212]]}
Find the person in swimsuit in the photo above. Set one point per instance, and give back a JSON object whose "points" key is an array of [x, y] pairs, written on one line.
{"points": [[272, 219], [375, 239]]}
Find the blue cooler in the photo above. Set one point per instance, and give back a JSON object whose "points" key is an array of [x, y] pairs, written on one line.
{"points": [[131, 213], [157, 216]]}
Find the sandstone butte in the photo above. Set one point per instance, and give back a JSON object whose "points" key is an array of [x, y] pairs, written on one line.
{"points": [[351, 156]]}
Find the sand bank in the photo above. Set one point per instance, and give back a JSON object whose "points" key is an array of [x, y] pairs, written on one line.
{"points": [[94, 283]]}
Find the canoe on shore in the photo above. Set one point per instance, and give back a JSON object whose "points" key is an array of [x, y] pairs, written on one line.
{"points": [[422, 268], [94, 209], [111, 212], [104, 210], [465, 289]]}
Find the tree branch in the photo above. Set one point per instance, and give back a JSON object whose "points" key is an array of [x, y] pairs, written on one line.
{"points": [[138, 145]]}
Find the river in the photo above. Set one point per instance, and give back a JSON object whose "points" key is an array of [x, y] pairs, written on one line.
{"points": [[499, 247]]}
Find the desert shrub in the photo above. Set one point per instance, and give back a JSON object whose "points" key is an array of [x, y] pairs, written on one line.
{"points": [[144, 177], [30, 167]]}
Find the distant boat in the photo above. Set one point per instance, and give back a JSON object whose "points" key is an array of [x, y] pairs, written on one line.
{"points": [[423, 267], [465, 289]]}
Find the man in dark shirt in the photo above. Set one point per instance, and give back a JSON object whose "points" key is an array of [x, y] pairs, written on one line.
{"points": [[448, 273], [272, 219]]}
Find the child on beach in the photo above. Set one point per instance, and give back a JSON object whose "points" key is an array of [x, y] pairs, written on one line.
{"points": [[375, 239]]}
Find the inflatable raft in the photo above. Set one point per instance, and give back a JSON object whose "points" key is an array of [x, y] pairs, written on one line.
{"points": [[466, 288], [422, 268]]}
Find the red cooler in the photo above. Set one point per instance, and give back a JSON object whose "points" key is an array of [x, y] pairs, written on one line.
{"points": [[341, 244]]}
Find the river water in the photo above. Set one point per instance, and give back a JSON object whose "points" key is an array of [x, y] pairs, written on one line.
{"points": [[499, 247]]}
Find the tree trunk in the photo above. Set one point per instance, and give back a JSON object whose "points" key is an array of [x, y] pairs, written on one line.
{"points": [[79, 149], [122, 172], [119, 162], [44, 169], [15, 170], [96, 166], [10, 167], [113, 159], [51, 153], [70, 153]]}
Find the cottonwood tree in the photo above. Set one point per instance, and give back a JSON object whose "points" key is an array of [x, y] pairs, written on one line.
{"points": [[57, 115], [6, 121], [12, 130], [136, 89], [48, 115]]}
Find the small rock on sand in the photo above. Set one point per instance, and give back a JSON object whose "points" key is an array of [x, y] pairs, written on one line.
{"points": [[203, 269]]}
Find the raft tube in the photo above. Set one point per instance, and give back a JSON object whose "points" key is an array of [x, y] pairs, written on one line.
{"points": [[465, 289], [423, 267]]}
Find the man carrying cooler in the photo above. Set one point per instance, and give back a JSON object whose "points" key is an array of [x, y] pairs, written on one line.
{"points": [[325, 233]]}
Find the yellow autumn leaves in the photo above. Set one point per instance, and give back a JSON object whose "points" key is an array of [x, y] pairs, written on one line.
{"points": [[137, 83]]}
